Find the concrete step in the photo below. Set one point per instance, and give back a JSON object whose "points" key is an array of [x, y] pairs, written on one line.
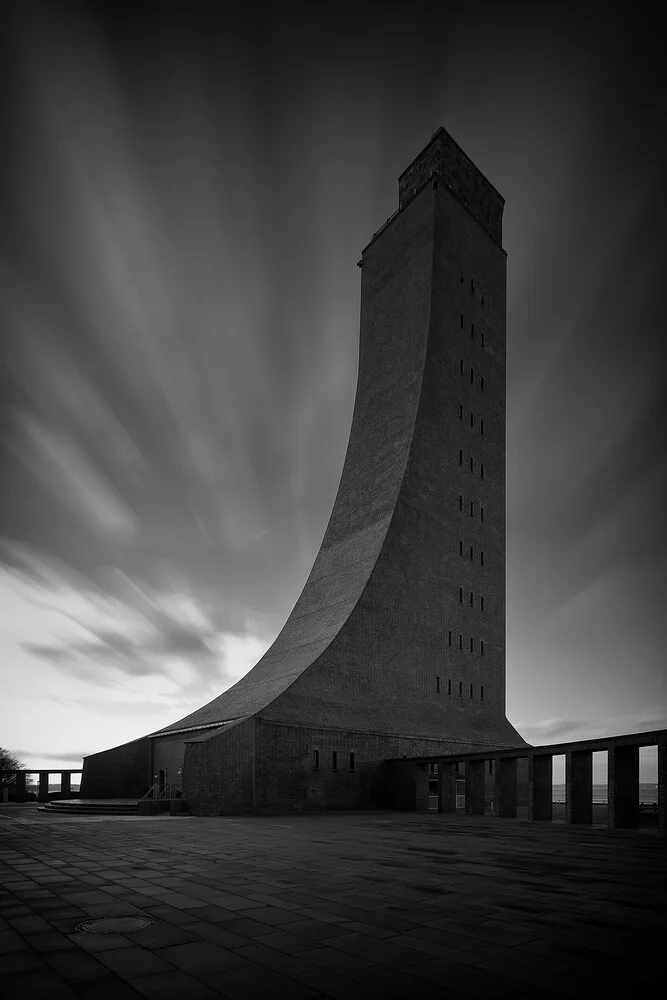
{"points": [[99, 807]]}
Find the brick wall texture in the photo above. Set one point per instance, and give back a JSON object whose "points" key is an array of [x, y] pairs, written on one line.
{"points": [[396, 645]]}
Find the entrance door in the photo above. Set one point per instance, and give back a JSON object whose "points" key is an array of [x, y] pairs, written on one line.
{"points": [[162, 783]]}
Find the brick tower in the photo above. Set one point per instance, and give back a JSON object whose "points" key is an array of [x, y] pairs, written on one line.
{"points": [[396, 645]]}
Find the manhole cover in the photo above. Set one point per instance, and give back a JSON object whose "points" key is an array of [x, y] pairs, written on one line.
{"points": [[114, 925]]}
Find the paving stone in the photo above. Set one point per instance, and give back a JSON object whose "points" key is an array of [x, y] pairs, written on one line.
{"points": [[342, 988], [200, 957], [330, 958], [172, 985], [49, 941], [38, 985], [108, 988], [74, 965], [253, 981], [279, 961]]}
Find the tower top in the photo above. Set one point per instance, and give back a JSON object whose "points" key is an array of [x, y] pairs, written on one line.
{"points": [[442, 157]]}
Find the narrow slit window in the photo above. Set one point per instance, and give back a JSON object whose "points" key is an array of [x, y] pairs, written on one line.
{"points": [[351, 760], [482, 384], [481, 471], [461, 365], [460, 595], [472, 420], [471, 508], [471, 464], [460, 547], [472, 286], [481, 647], [481, 513], [437, 685], [472, 331], [481, 698], [462, 276], [334, 760], [482, 330], [460, 458], [460, 411], [471, 553], [460, 502], [472, 374], [460, 641], [460, 689], [471, 689], [481, 427], [461, 320], [449, 686], [450, 637], [472, 645], [482, 298], [317, 760], [481, 558], [481, 604], [472, 599]]}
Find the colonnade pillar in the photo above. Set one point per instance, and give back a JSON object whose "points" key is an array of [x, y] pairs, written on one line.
{"points": [[43, 795], [475, 787], [65, 784], [540, 787], [579, 786], [506, 775], [446, 787], [662, 789], [623, 786]]}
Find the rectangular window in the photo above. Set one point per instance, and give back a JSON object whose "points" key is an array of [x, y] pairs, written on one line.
{"points": [[481, 427], [471, 690], [481, 513], [460, 595], [481, 471], [460, 641], [437, 685], [351, 760], [481, 698], [460, 547], [460, 689], [472, 331], [449, 686], [334, 760], [481, 603], [460, 411], [460, 502], [471, 508], [317, 760], [460, 458], [481, 647], [481, 558], [450, 637]]}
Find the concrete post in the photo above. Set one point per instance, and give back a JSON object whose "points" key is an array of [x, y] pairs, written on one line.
{"points": [[623, 786], [506, 786], [540, 787], [579, 786], [421, 787], [21, 795], [475, 788], [662, 789], [65, 784], [43, 786], [446, 787]]}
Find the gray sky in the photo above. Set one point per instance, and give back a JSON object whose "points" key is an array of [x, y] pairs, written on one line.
{"points": [[184, 199]]}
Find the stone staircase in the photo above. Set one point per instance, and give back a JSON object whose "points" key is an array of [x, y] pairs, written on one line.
{"points": [[92, 807]]}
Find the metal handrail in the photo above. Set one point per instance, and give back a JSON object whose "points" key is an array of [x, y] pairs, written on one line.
{"points": [[161, 791]]}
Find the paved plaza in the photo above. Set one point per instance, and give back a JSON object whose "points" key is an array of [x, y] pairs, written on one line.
{"points": [[359, 905]]}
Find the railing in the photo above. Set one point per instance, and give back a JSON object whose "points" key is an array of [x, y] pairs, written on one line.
{"points": [[161, 791]]}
